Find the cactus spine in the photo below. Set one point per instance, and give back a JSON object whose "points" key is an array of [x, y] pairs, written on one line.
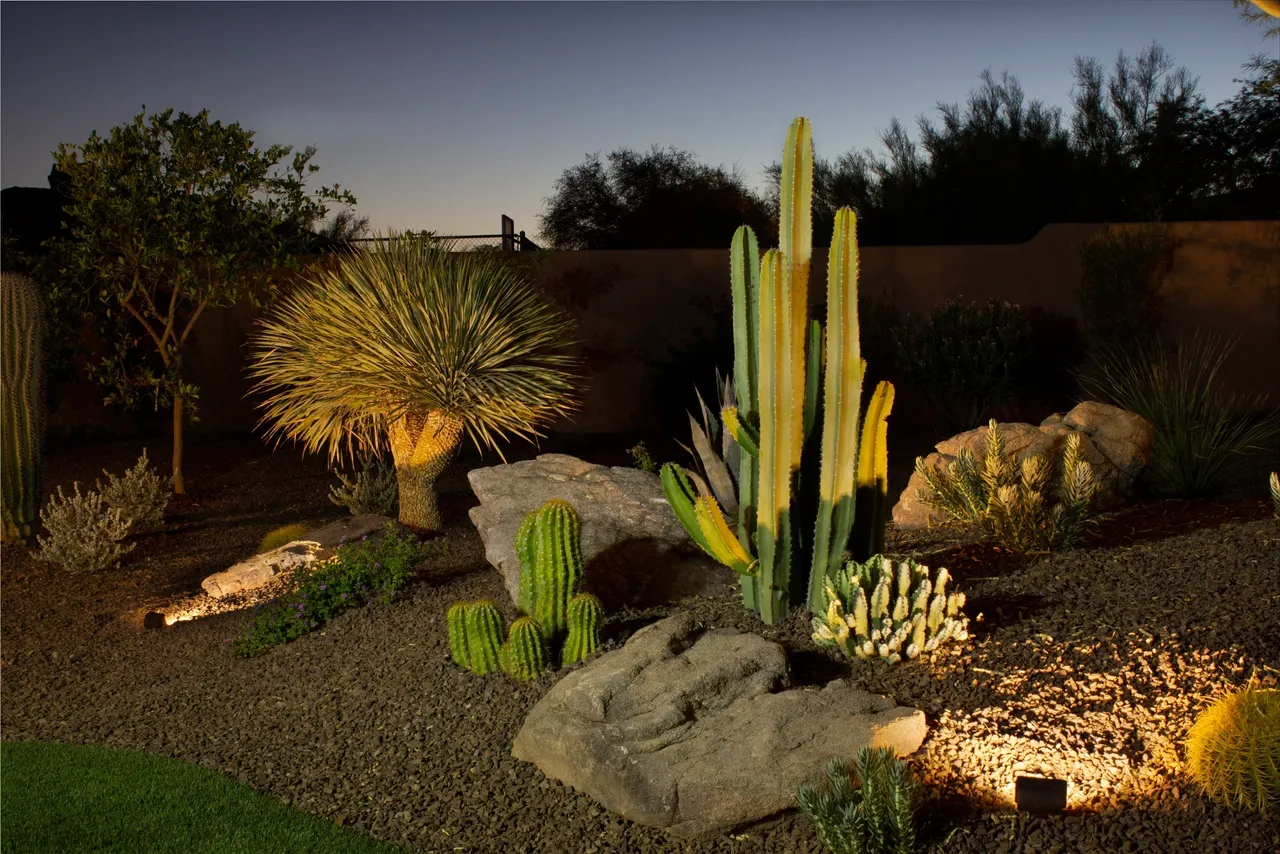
{"points": [[585, 616], [475, 636], [22, 319], [788, 514], [524, 655], [548, 544]]}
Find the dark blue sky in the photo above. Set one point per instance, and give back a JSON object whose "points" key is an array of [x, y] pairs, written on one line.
{"points": [[445, 115]]}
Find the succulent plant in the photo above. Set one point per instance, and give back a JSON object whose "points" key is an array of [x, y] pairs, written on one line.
{"points": [[890, 610], [785, 366], [876, 817], [586, 614], [548, 544], [22, 401], [1233, 749], [475, 636], [524, 655]]}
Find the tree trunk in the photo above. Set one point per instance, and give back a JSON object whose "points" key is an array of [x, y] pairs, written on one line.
{"points": [[179, 482], [422, 444]]}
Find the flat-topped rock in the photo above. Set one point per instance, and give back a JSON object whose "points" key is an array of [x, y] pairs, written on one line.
{"points": [[688, 729]]}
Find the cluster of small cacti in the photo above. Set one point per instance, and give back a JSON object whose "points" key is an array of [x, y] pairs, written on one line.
{"points": [[1013, 504], [882, 609], [550, 599], [1233, 750], [22, 401]]}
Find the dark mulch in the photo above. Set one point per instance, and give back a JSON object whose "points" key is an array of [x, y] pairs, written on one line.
{"points": [[1088, 664]]}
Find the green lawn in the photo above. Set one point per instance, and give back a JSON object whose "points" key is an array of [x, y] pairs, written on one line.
{"points": [[64, 798]]}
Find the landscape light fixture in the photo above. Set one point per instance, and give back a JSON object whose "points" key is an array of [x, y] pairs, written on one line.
{"points": [[1043, 795]]}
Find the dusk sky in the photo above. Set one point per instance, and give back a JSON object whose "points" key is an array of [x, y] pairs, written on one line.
{"points": [[444, 116]]}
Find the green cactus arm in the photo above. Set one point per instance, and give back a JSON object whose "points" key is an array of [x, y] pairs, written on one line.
{"points": [[586, 614], [842, 395], [795, 242], [814, 360], [21, 407], [680, 495], [744, 269], [456, 618], [724, 545], [524, 655], [873, 472], [747, 438], [777, 436], [526, 552]]}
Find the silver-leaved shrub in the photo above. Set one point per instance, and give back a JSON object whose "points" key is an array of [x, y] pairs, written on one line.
{"points": [[141, 495], [84, 534]]}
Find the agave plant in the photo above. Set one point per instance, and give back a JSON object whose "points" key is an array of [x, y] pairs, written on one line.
{"points": [[407, 347]]}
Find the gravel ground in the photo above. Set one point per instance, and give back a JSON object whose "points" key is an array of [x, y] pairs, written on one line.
{"points": [[1088, 664]]}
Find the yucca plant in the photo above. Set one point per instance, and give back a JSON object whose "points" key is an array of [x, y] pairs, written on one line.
{"points": [[1198, 441], [407, 347]]}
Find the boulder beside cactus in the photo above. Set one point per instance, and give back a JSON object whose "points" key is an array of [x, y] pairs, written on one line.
{"points": [[22, 402]]}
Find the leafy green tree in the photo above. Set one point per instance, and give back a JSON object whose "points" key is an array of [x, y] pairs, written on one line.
{"points": [[407, 346], [659, 200], [172, 217]]}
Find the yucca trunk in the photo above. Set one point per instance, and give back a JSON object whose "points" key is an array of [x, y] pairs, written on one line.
{"points": [[422, 444]]}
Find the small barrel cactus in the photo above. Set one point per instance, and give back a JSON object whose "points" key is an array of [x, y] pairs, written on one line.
{"points": [[585, 616], [22, 403], [475, 636], [1233, 749], [889, 610], [524, 655], [548, 545]]}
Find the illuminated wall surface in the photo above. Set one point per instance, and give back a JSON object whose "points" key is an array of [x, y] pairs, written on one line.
{"points": [[636, 307]]}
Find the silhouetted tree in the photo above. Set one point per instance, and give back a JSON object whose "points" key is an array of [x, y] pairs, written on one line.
{"points": [[659, 200]]}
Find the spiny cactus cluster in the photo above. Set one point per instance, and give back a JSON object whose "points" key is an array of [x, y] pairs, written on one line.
{"points": [[1233, 750], [552, 605], [888, 610], [1013, 505], [22, 403]]}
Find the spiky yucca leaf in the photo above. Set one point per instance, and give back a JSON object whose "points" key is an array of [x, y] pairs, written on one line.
{"points": [[406, 347]]}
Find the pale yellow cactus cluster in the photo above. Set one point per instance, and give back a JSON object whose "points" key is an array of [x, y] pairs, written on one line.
{"points": [[888, 610]]}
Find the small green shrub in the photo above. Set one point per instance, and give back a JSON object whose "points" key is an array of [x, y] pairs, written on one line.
{"points": [[1233, 750], [1013, 505], [141, 495], [879, 609], [967, 359], [874, 818], [1199, 443], [281, 536], [84, 534], [362, 573], [641, 459], [372, 490]]}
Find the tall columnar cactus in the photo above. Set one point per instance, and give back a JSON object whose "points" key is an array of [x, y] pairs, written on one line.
{"points": [[548, 544], [789, 514], [22, 321], [524, 655], [475, 636], [585, 616], [889, 610]]}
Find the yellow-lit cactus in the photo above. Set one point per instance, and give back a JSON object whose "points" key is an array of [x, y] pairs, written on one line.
{"points": [[1233, 750]]}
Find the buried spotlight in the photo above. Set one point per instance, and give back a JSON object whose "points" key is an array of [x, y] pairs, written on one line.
{"points": [[1040, 794]]}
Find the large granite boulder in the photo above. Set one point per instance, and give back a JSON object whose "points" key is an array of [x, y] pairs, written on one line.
{"points": [[1117, 443], [320, 544], [686, 729], [634, 548]]}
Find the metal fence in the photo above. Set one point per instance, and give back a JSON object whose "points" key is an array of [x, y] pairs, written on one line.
{"points": [[506, 241]]}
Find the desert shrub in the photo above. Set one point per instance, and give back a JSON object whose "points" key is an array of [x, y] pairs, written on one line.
{"points": [[141, 495], [641, 458], [1013, 505], [84, 534], [876, 817], [1199, 443], [1233, 750], [967, 359], [879, 609], [362, 573], [372, 490], [283, 535]]}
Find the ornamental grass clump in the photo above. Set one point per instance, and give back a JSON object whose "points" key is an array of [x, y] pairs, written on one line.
{"points": [[876, 817], [1233, 750], [1013, 505], [406, 347], [282, 536], [84, 534], [362, 573], [887, 610]]}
